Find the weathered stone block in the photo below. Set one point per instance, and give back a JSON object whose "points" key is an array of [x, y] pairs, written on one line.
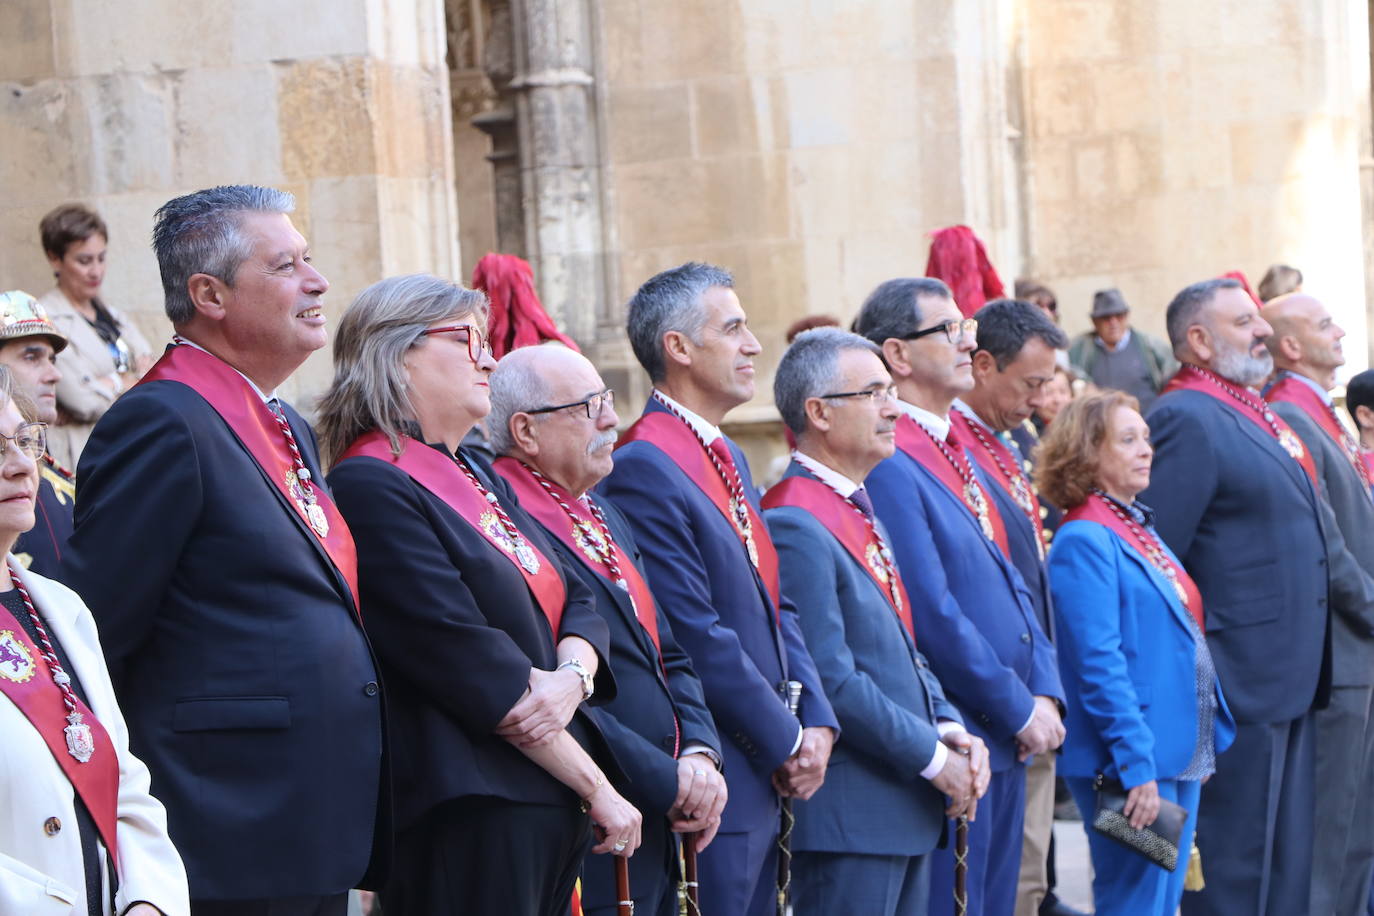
{"points": [[649, 123], [324, 118], [28, 46], [219, 139]]}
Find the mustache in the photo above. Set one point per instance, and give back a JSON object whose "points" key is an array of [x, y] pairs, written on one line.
{"points": [[601, 441]]}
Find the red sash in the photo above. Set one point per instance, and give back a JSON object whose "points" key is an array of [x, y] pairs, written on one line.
{"points": [[848, 526], [919, 446], [983, 447], [40, 700], [535, 500], [1189, 378], [253, 424], [1368, 458], [672, 436], [1297, 392], [441, 476], [1095, 509]]}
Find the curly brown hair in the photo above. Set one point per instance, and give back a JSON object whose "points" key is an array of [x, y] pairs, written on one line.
{"points": [[1067, 457]]}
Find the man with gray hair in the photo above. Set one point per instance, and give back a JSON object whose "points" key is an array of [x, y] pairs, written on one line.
{"points": [[905, 749], [229, 619], [1235, 496], [711, 563], [553, 422]]}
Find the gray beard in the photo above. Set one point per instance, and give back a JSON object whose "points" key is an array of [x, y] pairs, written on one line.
{"points": [[1242, 368]]}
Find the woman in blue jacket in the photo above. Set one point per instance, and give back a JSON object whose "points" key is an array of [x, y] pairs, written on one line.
{"points": [[1144, 705]]}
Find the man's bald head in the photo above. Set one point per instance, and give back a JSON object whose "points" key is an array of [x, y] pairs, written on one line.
{"points": [[1306, 339]]}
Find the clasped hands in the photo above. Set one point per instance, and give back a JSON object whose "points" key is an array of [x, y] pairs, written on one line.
{"points": [[966, 774], [701, 797], [802, 773], [545, 710]]}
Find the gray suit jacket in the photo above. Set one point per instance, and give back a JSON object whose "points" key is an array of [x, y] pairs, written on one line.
{"points": [[1348, 522], [887, 699]]}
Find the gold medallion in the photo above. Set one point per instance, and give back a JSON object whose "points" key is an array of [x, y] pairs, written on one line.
{"points": [[1291, 443], [16, 663]]}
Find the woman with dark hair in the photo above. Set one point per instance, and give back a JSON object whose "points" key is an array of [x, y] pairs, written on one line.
{"points": [[1144, 706], [487, 645], [106, 353]]}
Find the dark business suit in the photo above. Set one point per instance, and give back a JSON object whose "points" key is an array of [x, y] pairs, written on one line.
{"points": [[638, 726], [41, 547], [976, 622], [703, 579], [234, 648], [1128, 658], [1245, 520], [860, 840], [457, 631], [1344, 850]]}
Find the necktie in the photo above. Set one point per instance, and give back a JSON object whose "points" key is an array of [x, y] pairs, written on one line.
{"points": [[860, 498]]}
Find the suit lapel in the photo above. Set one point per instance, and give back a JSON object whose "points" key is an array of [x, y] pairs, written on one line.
{"points": [[1271, 447], [1166, 591]]}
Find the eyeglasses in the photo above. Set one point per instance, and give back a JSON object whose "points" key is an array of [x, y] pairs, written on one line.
{"points": [[477, 341], [595, 405], [955, 331], [876, 394], [31, 439]]}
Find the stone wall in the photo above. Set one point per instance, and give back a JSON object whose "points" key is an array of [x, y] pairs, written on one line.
{"points": [[345, 103]]}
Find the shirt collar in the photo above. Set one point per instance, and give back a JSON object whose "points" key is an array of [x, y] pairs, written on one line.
{"points": [[1321, 392], [936, 424], [1141, 513], [827, 475], [972, 416], [266, 398], [1120, 344], [708, 432]]}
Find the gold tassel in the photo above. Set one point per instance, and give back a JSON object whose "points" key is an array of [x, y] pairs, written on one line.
{"points": [[1192, 879]]}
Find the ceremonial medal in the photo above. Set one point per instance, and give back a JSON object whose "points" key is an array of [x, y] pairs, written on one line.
{"points": [[16, 664], [527, 558], [1291, 443], [973, 495], [874, 557], [80, 741], [317, 519]]}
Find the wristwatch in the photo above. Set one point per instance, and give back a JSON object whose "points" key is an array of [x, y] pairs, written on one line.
{"points": [[582, 672]]}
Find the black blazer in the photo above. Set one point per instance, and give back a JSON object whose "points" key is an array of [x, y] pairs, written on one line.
{"points": [[1245, 520], [41, 547], [234, 649], [456, 630]]}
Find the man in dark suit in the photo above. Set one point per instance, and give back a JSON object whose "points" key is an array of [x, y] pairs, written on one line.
{"points": [[975, 616], [905, 746], [1236, 499], [29, 344], [690, 500], [1012, 364], [223, 579], [553, 421], [1306, 346]]}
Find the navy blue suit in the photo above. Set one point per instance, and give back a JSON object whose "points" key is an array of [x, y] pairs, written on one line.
{"points": [[703, 579], [976, 622], [638, 726], [41, 547], [234, 648], [875, 811], [1127, 655], [1244, 518]]}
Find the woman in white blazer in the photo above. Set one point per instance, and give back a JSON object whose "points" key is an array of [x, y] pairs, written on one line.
{"points": [[62, 729]]}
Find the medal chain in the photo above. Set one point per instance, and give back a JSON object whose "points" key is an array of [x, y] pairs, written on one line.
{"points": [[1350, 447], [605, 553], [876, 536], [1254, 404], [298, 463], [1024, 498], [59, 675], [517, 540], [965, 471], [732, 481], [1147, 541]]}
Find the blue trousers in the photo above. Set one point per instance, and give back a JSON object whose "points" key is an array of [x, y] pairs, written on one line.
{"points": [[994, 851], [1126, 883], [855, 884], [738, 873]]}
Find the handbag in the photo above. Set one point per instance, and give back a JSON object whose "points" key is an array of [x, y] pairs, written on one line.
{"points": [[1158, 842]]}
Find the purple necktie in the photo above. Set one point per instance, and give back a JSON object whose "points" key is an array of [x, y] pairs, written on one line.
{"points": [[860, 498]]}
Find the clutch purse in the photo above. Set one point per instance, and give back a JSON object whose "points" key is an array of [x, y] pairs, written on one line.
{"points": [[1158, 842]]}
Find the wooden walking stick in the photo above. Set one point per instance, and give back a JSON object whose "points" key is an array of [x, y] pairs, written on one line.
{"points": [[794, 689], [961, 867], [689, 874], [626, 906]]}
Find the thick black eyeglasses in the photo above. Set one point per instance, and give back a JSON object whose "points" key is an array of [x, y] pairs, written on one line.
{"points": [[596, 404], [31, 439], [955, 331], [873, 394], [477, 341]]}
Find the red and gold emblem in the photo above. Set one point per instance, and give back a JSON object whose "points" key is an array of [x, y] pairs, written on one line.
{"points": [[16, 662]]}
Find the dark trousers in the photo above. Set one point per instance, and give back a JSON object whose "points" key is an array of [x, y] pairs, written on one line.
{"points": [[1343, 853], [488, 857], [333, 905], [653, 875], [738, 873], [852, 884], [994, 851], [1255, 824]]}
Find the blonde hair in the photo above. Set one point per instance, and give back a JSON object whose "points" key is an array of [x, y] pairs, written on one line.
{"points": [[1067, 456]]}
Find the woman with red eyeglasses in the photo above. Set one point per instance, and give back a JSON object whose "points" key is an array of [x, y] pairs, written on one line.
{"points": [[487, 647]]}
